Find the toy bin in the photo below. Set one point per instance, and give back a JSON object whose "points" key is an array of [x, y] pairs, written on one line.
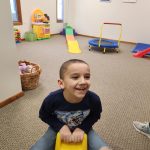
{"points": [[30, 36], [30, 80]]}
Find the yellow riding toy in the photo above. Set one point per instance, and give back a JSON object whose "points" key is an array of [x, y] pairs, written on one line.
{"points": [[70, 146]]}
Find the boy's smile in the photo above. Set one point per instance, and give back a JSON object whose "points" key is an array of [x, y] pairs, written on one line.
{"points": [[76, 82]]}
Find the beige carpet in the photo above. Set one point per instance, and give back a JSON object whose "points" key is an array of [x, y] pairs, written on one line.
{"points": [[122, 82]]}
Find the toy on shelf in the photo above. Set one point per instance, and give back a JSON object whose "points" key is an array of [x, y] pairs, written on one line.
{"points": [[46, 18], [17, 35], [70, 146], [40, 24]]}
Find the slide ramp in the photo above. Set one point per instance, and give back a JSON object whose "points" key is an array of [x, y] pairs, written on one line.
{"points": [[73, 46]]}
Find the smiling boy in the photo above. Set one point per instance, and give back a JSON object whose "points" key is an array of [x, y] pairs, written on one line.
{"points": [[71, 110]]}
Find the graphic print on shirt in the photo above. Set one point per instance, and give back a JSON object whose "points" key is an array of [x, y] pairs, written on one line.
{"points": [[72, 118]]}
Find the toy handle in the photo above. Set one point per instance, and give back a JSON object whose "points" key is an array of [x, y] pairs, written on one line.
{"points": [[58, 142], [33, 69], [112, 23], [84, 142], [59, 145]]}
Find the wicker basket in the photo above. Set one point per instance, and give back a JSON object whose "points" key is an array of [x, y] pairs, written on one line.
{"points": [[30, 81]]}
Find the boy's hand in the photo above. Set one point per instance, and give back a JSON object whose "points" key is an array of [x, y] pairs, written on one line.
{"points": [[65, 134], [77, 135]]}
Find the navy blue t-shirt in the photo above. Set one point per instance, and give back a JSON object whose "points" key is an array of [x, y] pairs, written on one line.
{"points": [[56, 111]]}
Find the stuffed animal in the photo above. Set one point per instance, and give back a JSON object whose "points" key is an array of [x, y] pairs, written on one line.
{"points": [[26, 68], [22, 68]]}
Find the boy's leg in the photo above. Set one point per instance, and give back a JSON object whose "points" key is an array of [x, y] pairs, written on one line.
{"points": [[95, 142], [46, 142]]}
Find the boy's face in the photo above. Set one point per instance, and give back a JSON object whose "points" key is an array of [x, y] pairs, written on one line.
{"points": [[76, 82]]}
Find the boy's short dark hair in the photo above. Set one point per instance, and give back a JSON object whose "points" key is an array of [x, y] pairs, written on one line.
{"points": [[65, 65]]}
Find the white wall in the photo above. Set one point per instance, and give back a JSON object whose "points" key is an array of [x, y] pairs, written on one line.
{"points": [[87, 15], [9, 74], [47, 6]]}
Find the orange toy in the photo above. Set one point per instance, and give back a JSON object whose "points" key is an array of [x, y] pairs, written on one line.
{"points": [[37, 16]]}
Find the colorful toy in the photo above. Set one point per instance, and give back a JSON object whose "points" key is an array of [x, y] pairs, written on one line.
{"points": [[37, 16], [30, 36], [73, 46], [63, 32], [104, 43], [46, 18], [142, 53], [26, 68], [141, 50], [17, 35], [70, 146], [40, 24]]}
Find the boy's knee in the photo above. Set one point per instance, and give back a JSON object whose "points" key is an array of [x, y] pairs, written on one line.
{"points": [[105, 148]]}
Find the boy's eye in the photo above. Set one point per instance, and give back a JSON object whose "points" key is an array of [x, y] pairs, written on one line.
{"points": [[87, 77], [74, 77]]}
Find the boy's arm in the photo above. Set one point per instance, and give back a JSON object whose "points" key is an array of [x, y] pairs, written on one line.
{"points": [[46, 114], [95, 114]]}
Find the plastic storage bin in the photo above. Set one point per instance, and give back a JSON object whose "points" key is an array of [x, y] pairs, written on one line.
{"points": [[30, 36]]}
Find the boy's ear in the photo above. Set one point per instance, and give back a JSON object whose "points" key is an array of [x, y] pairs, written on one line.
{"points": [[61, 83]]}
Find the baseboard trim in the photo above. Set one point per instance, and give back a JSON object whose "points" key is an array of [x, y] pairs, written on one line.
{"points": [[11, 99], [90, 36], [55, 34], [127, 42]]}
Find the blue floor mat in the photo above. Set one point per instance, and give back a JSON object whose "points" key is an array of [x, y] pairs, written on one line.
{"points": [[140, 47]]}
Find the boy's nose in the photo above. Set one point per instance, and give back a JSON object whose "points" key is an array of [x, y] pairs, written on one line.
{"points": [[82, 80]]}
